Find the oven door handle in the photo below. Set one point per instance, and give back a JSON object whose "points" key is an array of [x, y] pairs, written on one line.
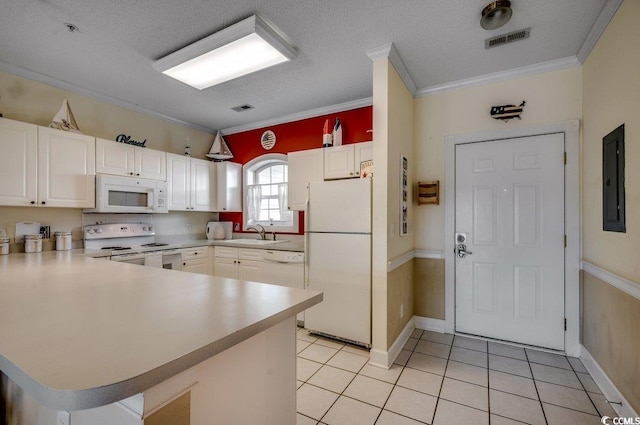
{"points": [[127, 257]]}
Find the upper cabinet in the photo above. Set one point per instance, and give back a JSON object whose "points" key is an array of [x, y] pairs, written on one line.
{"points": [[66, 169], [18, 162], [343, 162], [229, 176], [42, 166], [304, 167], [122, 159], [191, 184]]}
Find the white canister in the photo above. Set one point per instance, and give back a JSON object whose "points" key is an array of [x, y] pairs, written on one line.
{"points": [[33, 243], [4, 246], [63, 241]]}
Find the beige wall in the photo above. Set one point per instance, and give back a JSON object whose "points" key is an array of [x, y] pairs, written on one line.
{"points": [[393, 135], [400, 293], [37, 103], [612, 97], [611, 318], [33, 102], [610, 333], [428, 288], [551, 97]]}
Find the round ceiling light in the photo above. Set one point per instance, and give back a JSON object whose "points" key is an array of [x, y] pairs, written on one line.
{"points": [[496, 14]]}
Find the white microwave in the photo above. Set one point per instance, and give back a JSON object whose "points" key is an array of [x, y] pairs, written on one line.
{"points": [[115, 194]]}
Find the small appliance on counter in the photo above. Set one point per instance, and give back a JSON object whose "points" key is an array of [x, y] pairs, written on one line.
{"points": [[219, 230]]}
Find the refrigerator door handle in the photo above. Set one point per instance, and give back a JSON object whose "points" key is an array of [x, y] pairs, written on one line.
{"points": [[306, 239]]}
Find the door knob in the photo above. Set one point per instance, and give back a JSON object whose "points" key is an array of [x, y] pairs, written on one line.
{"points": [[461, 250]]}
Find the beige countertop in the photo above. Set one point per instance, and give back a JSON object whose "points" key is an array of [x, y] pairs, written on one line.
{"points": [[78, 332]]}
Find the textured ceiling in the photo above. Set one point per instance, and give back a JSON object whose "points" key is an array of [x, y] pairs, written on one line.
{"points": [[440, 41]]}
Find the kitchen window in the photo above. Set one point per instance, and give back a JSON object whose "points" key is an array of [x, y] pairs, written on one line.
{"points": [[265, 191]]}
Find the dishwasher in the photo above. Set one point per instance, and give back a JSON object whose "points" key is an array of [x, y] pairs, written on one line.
{"points": [[285, 268]]}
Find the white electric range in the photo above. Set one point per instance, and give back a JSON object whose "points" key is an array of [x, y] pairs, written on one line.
{"points": [[132, 243]]}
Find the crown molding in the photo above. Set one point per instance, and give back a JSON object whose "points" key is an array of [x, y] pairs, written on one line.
{"points": [[510, 74], [389, 51], [65, 85], [599, 26], [340, 107]]}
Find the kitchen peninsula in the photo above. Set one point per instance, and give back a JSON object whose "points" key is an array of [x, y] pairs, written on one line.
{"points": [[116, 343]]}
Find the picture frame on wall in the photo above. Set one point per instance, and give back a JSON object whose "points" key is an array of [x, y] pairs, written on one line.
{"points": [[404, 195]]}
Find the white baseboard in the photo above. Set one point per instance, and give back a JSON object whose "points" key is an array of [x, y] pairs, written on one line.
{"points": [[609, 389], [386, 358], [429, 324]]}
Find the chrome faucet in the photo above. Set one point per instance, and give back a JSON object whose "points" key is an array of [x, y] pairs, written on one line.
{"points": [[260, 231]]}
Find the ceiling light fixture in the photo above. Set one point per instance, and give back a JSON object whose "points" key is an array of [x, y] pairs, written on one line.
{"points": [[245, 47], [496, 14]]}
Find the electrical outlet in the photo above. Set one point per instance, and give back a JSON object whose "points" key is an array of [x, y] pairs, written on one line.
{"points": [[236, 227], [401, 311], [64, 418], [45, 231], [189, 227]]}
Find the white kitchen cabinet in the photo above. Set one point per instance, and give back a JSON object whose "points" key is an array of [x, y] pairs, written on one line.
{"points": [[304, 167], [343, 162], [18, 163], [191, 183], [238, 263], [121, 159], [45, 167], [195, 260], [229, 181]]}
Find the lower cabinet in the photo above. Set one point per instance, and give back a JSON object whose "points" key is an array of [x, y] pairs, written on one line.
{"points": [[195, 260], [238, 263]]}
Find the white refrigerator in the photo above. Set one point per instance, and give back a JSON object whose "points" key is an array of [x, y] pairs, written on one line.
{"points": [[338, 263]]}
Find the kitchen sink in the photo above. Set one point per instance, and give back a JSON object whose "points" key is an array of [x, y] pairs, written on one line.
{"points": [[258, 242]]}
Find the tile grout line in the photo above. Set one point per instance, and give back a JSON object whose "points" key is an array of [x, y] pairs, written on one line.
{"points": [[488, 386], [585, 390], [444, 374], [544, 415]]}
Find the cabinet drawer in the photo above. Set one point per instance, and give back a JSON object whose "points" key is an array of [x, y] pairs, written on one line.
{"points": [[194, 253], [250, 254], [225, 252]]}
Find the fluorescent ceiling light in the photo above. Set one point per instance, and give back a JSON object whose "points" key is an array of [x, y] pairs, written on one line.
{"points": [[243, 48]]}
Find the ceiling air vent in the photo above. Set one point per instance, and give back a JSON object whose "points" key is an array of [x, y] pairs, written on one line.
{"points": [[507, 38], [242, 108]]}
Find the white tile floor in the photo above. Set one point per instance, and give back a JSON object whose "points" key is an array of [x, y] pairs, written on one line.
{"points": [[441, 379]]}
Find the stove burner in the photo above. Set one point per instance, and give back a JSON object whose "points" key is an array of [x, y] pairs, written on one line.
{"points": [[155, 244], [117, 248]]}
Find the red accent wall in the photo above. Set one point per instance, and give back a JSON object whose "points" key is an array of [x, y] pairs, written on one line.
{"points": [[297, 136]]}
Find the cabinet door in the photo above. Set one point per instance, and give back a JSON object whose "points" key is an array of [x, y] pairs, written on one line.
{"points": [[226, 267], [150, 164], [195, 266], [250, 270], [114, 158], [229, 176], [178, 182], [363, 152], [339, 162], [304, 167], [66, 169], [18, 163], [203, 193]]}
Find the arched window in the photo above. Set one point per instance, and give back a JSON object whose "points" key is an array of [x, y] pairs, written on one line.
{"points": [[265, 192]]}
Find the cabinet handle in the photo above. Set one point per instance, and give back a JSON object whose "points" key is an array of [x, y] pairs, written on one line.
{"points": [[131, 174], [351, 174], [357, 173], [195, 253], [43, 202], [137, 174], [33, 202], [224, 209], [184, 264]]}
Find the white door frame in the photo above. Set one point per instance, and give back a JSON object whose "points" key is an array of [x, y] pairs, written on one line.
{"points": [[571, 130]]}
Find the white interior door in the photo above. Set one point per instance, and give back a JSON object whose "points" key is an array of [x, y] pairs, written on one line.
{"points": [[510, 205]]}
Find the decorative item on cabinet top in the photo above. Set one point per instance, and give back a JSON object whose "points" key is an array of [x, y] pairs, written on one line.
{"points": [[123, 138], [429, 192], [219, 150], [64, 119]]}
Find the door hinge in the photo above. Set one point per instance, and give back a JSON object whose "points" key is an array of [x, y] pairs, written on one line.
{"points": [[565, 324], [565, 241], [565, 158]]}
